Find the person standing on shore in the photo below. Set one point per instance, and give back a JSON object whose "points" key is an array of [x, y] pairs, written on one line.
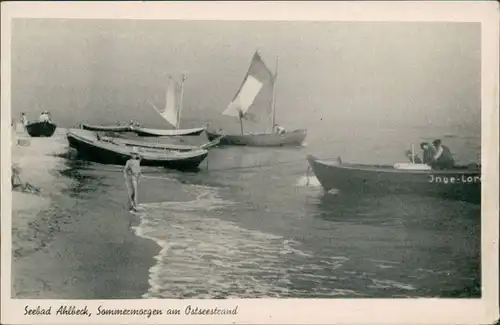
{"points": [[132, 173], [24, 119]]}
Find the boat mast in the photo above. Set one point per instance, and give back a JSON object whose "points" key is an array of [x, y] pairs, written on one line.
{"points": [[180, 102], [273, 103], [241, 122]]}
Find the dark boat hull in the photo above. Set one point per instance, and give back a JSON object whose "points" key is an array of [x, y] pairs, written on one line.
{"points": [[41, 129], [107, 153], [291, 138], [461, 184]]}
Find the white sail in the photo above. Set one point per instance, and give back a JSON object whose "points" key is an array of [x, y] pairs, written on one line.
{"points": [[257, 76], [171, 111]]}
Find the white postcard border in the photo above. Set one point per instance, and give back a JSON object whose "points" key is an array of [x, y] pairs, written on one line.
{"points": [[281, 311]]}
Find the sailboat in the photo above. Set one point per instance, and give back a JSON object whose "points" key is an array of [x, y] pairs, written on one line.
{"points": [[171, 113], [258, 75]]}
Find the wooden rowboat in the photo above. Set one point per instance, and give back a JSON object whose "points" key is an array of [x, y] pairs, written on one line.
{"points": [[460, 183], [92, 148], [41, 129], [148, 132], [106, 128], [143, 132], [159, 145]]}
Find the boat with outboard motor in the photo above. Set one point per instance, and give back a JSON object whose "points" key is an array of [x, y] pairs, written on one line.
{"points": [[459, 183]]}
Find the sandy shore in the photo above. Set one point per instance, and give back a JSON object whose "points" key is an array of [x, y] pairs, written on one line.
{"points": [[62, 248]]}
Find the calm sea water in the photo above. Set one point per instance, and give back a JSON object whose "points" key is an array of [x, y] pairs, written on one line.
{"points": [[251, 223]]}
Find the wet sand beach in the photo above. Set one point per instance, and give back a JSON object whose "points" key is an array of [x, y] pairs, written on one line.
{"points": [[65, 248]]}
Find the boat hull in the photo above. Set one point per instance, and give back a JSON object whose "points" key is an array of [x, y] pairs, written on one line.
{"points": [[158, 145], [290, 138], [461, 184], [104, 128], [41, 129], [143, 132], [146, 132], [93, 149]]}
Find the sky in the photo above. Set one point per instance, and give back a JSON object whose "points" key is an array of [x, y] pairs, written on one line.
{"points": [[359, 74]]}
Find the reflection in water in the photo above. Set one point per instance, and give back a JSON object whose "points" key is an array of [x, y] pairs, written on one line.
{"points": [[84, 182], [413, 231]]}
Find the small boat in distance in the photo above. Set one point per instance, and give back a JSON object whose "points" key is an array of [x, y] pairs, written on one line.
{"points": [[41, 129], [170, 113], [44, 127], [257, 76], [461, 183], [91, 147]]}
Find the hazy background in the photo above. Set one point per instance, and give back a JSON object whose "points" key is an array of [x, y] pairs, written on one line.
{"points": [[334, 73]]}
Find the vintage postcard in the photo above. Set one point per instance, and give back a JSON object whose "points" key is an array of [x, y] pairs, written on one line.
{"points": [[249, 162]]}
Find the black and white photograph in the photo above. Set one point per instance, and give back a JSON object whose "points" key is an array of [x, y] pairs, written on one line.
{"points": [[209, 162]]}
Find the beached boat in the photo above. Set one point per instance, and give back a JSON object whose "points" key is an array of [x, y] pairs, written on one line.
{"points": [[170, 113], [148, 132], [258, 75], [41, 129], [159, 145], [460, 183], [90, 146], [106, 128]]}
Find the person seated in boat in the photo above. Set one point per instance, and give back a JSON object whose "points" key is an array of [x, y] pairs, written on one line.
{"points": [[24, 119], [132, 173], [428, 152], [133, 123], [279, 129], [443, 158], [43, 117]]}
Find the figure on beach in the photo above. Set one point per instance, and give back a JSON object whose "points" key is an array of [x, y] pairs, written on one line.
{"points": [[443, 158], [24, 119], [132, 173], [18, 185]]}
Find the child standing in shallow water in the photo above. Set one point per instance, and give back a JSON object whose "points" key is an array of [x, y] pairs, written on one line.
{"points": [[132, 173]]}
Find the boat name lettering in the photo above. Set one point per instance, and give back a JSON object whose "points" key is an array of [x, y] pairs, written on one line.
{"points": [[455, 179]]}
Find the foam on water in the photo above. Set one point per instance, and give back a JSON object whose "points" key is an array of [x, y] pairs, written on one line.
{"points": [[308, 181], [202, 256]]}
